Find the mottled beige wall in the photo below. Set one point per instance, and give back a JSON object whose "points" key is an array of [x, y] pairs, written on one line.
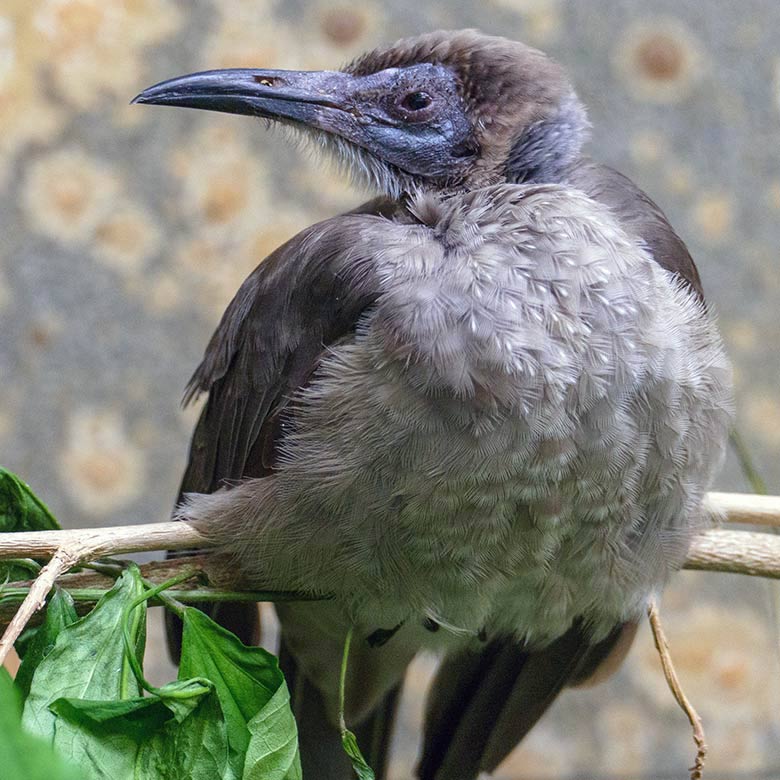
{"points": [[124, 231]]}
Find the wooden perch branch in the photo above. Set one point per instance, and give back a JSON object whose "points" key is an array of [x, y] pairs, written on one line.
{"points": [[737, 552], [742, 552], [747, 508], [88, 544]]}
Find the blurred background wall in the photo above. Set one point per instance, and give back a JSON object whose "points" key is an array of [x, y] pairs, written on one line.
{"points": [[125, 230]]}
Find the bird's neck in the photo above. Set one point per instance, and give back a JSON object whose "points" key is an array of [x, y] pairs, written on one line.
{"points": [[547, 148]]}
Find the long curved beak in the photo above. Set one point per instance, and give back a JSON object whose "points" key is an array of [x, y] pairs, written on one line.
{"points": [[309, 97]]}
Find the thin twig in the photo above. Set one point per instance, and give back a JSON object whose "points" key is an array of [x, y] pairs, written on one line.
{"points": [[662, 645], [35, 599]]}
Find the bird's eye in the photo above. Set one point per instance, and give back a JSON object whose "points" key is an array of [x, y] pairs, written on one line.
{"points": [[416, 101]]}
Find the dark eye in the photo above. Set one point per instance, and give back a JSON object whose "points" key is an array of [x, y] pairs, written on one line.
{"points": [[416, 101]]}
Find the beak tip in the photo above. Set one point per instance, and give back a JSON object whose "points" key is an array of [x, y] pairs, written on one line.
{"points": [[147, 97]]}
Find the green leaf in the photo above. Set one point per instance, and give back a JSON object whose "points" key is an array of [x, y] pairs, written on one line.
{"points": [[136, 717], [176, 734], [247, 680], [226, 717], [359, 764], [273, 743], [143, 738], [20, 508], [25, 757], [195, 749], [60, 613], [181, 697], [86, 662], [86, 700], [131, 717], [16, 569]]}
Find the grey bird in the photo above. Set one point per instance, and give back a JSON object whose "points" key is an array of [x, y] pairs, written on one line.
{"points": [[481, 410]]}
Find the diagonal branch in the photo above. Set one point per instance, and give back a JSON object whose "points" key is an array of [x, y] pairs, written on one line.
{"points": [[35, 599]]}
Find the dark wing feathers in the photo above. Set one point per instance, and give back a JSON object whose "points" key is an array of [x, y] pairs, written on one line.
{"points": [[307, 294], [483, 703], [638, 215], [302, 298]]}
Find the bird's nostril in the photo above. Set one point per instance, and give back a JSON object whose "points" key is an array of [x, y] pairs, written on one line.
{"points": [[265, 81]]}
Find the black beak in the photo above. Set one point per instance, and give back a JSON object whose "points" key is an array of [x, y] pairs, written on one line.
{"points": [[332, 103], [308, 97]]}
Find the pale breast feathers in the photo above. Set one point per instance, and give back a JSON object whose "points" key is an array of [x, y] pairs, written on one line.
{"points": [[528, 387]]}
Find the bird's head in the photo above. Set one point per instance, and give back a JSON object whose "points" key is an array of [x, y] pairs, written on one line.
{"points": [[445, 110]]}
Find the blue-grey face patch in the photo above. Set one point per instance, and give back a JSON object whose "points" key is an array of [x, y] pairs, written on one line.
{"points": [[411, 118]]}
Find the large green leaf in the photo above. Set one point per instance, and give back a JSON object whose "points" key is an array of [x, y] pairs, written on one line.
{"points": [[177, 733], [85, 698], [226, 717], [23, 757], [252, 693], [60, 613], [86, 662]]}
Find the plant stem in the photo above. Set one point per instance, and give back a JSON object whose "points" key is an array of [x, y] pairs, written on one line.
{"points": [[343, 680]]}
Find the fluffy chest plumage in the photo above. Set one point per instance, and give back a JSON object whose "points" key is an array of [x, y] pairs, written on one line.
{"points": [[520, 431]]}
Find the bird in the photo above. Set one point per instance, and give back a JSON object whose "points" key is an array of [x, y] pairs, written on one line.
{"points": [[480, 412]]}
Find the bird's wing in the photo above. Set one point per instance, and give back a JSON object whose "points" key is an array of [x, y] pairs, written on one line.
{"points": [[305, 296], [483, 704], [639, 216]]}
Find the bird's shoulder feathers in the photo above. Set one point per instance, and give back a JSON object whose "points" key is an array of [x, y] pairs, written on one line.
{"points": [[305, 296]]}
